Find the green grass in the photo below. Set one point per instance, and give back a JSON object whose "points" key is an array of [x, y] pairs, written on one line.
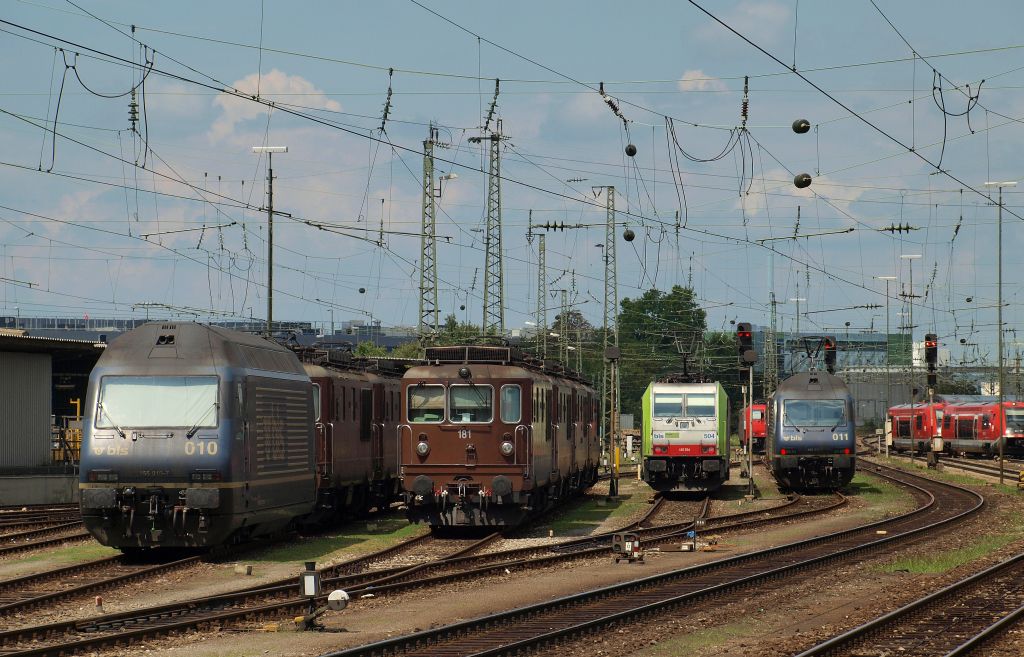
{"points": [[584, 517], [74, 553], [1011, 528], [950, 475], [363, 537], [883, 497], [702, 639], [944, 560]]}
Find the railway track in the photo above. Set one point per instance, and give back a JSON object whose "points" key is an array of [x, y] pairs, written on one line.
{"points": [[359, 576], [536, 626], [960, 619], [978, 467], [40, 538]]}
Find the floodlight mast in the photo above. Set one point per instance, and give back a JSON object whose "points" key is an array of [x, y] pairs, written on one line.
{"points": [[270, 150]]}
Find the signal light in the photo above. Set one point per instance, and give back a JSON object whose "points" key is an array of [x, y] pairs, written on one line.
{"points": [[745, 345], [782, 451], [830, 354], [931, 350]]}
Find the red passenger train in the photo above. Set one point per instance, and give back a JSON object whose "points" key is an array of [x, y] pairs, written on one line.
{"points": [[489, 437], [754, 417], [975, 428], [914, 425], [966, 427]]}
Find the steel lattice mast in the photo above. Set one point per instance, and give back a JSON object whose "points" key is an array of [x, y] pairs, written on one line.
{"points": [[609, 383], [542, 295], [428, 324], [494, 284]]}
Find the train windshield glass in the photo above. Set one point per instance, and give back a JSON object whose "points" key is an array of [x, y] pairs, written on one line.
{"points": [[700, 405], [426, 403], [157, 401], [757, 415], [1015, 420], [815, 412], [511, 410], [470, 404], [668, 405]]}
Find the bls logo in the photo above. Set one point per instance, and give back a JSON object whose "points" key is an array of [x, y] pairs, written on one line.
{"points": [[110, 450]]}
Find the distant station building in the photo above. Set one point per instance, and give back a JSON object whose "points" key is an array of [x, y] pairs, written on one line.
{"points": [[42, 390]]}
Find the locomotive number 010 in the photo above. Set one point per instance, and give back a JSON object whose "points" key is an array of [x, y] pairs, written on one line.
{"points": [[207, 447]]}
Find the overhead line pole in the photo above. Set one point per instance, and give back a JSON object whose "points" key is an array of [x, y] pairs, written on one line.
{"points": [[428, 323], [270, 150], [609, 378]]}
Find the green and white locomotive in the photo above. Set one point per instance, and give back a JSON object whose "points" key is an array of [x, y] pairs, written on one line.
{"points": [[685, 436]]}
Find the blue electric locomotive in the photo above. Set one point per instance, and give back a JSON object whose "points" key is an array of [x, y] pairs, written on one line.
{"points": [[196, 436], [811, 432]]}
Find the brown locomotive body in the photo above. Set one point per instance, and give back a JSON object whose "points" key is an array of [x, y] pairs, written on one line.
{"points": [[357, 415], [489, 437]]}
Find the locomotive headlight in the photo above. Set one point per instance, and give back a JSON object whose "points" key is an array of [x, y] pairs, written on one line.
{"points": [[507, 448], [422, 448]]}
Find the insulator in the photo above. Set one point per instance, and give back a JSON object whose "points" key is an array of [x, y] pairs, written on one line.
{"points": [[802, 180], [745, 108], [800, 126]]}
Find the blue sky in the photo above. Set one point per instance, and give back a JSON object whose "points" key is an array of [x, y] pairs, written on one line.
{"points": [[329, 61]]}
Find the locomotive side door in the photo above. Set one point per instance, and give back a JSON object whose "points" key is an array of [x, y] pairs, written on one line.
{"points": [[572, 427], [324, 389], [377, 429], [553, 410]]}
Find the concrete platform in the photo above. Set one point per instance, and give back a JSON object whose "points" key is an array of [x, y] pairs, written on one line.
{"points": [[38, 488]]}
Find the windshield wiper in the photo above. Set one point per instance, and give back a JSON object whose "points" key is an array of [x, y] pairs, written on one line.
{"points": [[195, 427], [103, 411]]}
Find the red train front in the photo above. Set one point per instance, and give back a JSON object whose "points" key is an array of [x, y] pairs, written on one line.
{"points": [[489, 437], [914, 425], [755, 425]]}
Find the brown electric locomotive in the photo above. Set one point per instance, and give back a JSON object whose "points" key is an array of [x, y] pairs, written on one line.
{"points": [[490, 436], [356, 406]]}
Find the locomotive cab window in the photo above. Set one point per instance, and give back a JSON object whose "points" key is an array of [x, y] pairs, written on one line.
{"points": [[668, 405], [147, 402], [757, 415], [700, 405], [1015, 420], [426, 403], [511, 404], [470, 403], [815, 412]]}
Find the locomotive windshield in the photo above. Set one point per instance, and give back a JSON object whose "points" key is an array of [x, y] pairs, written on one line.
{"points": [[700, 405], [426, 403], [470, 403], [1015, 420], [668, 405], [814, 412], [157, 401]]}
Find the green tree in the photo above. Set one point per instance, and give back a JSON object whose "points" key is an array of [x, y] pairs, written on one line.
{"points": [[368, 349], [454, 332], [658, 332], [409, 349]]}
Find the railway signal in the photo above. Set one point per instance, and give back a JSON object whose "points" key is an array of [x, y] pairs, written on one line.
{"points": [[830, 354], [745, 345], [931, 357]]}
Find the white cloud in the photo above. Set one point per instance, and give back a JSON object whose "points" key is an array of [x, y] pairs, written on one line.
{"points": [[696, 80], [273, 85]]}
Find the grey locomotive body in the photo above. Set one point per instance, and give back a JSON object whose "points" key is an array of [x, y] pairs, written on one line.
{"points": [[811, 432], [195, 436]]}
